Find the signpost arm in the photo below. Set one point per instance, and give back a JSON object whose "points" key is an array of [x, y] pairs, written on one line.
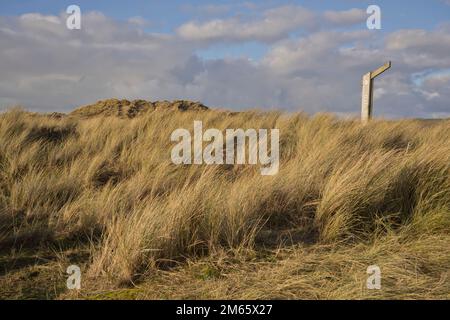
{"points": [[380, 70]]}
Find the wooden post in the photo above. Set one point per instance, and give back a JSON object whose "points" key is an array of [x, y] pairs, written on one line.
{"points": [[367, 92]]}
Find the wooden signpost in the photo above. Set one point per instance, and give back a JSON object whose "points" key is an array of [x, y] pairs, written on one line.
{"points": [[367, 92]]}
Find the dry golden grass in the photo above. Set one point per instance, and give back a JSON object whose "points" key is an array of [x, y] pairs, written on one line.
{"points": [[347, 196]]}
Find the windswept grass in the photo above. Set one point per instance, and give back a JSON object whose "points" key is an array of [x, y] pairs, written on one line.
{"points": [[346, 196]]}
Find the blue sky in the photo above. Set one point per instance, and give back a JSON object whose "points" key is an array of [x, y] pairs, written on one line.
{"points": [[233, 54], [166, 16]]}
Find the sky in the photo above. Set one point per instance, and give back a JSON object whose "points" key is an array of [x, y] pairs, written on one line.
{"points": [[288, 55]]}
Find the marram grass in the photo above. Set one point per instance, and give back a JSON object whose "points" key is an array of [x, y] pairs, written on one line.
{"points": [[346, 196]]}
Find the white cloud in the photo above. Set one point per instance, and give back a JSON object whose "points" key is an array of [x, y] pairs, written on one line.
{"points": [[37, 17], [138, 21], [274, 24], [346, 17], [418, 38], [313, 52], [47, 67]]}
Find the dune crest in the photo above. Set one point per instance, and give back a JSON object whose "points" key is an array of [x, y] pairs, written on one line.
{"points": [[129, 109]]}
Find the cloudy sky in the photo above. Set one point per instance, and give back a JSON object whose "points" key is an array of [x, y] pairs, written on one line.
{"points": [[293, 55]]}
